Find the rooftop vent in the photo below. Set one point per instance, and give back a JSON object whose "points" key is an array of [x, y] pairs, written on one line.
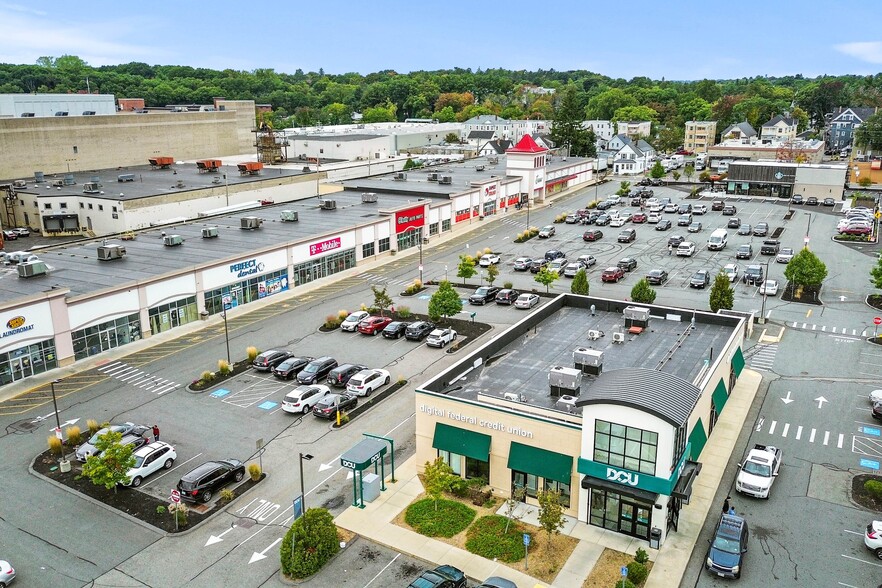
{"points": [[329, 205], [369, 197], [112, 251], [446, 180], [289, 216], [91, 188], [209, 232], [432, 177], [400, 176], [564, 381], [32, 269], [172, 240], [588, 361], [636, 316], [249, 223]]}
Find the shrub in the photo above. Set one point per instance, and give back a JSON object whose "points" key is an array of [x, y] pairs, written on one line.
{"points": [[362, 306], [254, 471], [206, 376], [93, 426], [450, 518], [342, 313], [74, 435], [332, 321], [873, 488], [637, 572], [415, 287], [227, 495], [55, 445], [344, 417], [641, 556], [161, 509], [592, 204], [180, 512], [223, 367], [316, 543], [252, 353], [626, 583], [507, 285], [487, 250], [401, 380], [404, 312], [459, 487], [560, 218], [487, 538]]}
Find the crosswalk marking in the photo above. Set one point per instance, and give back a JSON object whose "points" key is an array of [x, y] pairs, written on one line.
{"points": [[798, 432], [826, 437], [764, 357], [862, 332], [841, 439], [772, 427], [786, 428], [138, 378], [812, 437]]}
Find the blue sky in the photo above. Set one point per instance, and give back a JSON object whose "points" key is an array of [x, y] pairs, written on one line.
{"points": [[671, 40]]}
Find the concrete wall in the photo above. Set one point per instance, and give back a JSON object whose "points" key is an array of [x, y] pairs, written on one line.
{"points": [[48, 104]]}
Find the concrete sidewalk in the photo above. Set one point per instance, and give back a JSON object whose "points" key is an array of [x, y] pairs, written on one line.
{"points": [[374, 522]]}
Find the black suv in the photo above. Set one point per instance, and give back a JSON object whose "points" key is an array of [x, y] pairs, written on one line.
{"points": [[316, 370], [627, 263], [417, 331], [201, 483], [483, 295], [725, 557], [553, 254], [441, 577], [395, 330], [270, 359], [753, 274], [699, 279], [289, 368], [507, 296], [339, 376], [770, 247]]}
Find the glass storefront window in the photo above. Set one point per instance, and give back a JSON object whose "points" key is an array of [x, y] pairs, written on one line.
{"points": [[174, 314], [453, 460], [627, 447], [409, 239], [477, 469], [445, 225], [246, 291], [26, 361], [107, 335], [525, 480], [383, 245], [323, 266], [367, 250], [563, 489], [620, 513]]}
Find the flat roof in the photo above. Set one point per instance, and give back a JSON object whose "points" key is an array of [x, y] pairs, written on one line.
{"points": [[520, 359], [462, 175]]}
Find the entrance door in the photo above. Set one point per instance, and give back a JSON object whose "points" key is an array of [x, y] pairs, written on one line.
{"points": [[317, 271], [634, 519], [21, 367], [235, 296]]}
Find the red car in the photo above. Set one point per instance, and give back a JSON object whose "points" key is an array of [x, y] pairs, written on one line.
{"points": [[856, 230], [638, 217], [683, 152], [592, 235], [372, 325], [612, 274]]}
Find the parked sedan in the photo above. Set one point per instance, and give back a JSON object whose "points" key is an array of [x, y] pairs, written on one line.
{"points": [[638, 217], [657, 277], [527, 300], [663, 225], [366, 381], [327, 407], [627, 263], [7, 573], [200, 483], [769, 288], [290, 367], [797, 199], [488, 259], [811, 201], [350, 323], [10, 235], [745, 229], [695, 227], [572, 269], [546, 232], [267, 360], [829, 202], [522, 264], [627, 236], [729, 210], [761, 229], [784, 255], [553, 254], [373, 325], [592, 235], [675, 240], [734, 223], [395, 330], [88, 448], [507, 296], [612, 274], [699, 279], [417, 331]]}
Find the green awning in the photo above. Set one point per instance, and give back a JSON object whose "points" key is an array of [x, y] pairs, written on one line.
{"points": [[462, 442], [738, 362], [540, 462], [697, 439], [720, 396]]}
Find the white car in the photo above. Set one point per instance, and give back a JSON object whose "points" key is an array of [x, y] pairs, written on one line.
{"points": [[527, 300], [572, 269], [557, 266], [587, 260], [785, 255], [873, 538], [875, 396], [653, 218], [731, 271], [671, 207], [366, 381], [303, 398], [440, 337], [488, 259], [618, 221], [699, 208], [657, 207], [350, 323], [149, 459], [546, 232], [614, 199], [769, 288], [686, 249]]}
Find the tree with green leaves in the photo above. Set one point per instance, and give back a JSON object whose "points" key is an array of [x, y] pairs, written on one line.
{"points": [[466, 268], [722, 295], [546, 277], [689, 171], [409, 164], [805, 270], [512, 503], [869, 134], [657, 171], [437, 477], [876, 273], [704, 177], [381, 299], [624, 188], [551, 518], [580, 283], [451, 138], [642, 292], [445, 302], [492, 274], [675, 175], [567, 129], [111, 463], [309, 544]]}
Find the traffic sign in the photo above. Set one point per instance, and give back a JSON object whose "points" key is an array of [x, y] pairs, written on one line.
{"points": [[878, 215], [175, 496], [526, 538], [877, 320]]}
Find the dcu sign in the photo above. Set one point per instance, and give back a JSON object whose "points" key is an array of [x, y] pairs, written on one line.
{"points": [[622, 477]]}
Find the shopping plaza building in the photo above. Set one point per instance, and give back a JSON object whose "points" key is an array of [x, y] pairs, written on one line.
{"points": [[608, 403]]}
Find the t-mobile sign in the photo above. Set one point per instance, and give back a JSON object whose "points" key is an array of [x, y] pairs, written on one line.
{"points": [[325, 246]]}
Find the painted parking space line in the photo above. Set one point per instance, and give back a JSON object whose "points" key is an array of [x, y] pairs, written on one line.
{"points": [[866, 446], [812, 436], [798, 432]]}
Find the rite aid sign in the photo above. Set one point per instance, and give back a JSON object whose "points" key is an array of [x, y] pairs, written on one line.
{"points": [[411, 218]]}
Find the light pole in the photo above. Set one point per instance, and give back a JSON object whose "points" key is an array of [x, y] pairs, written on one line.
{"points": [[420, 244], [762, 320], [227, 189], [226, 331], [307, 457], [55, 405]]}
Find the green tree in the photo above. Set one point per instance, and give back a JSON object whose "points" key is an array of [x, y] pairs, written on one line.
{"points": [[805, 269], [604, 105], [445, 302], [642, 292], [869, 134], [876, 274], [111, 463], [669, 139], [580, 283], [466, 268], [675, 175], [722, 295], [628, 113], [689, 171], [410, 164], [567, 129], [437, 477], [551, 518], [546, 277], [657, 171], [451, 138], [624, 188], [309, 544], [381, 299], [492, 274]]}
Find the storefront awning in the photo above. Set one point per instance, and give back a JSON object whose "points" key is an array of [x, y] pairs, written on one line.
{"points": [[738, 362], [683, 489], [462, 442], [641, 495], [540, 462], [720, 396]]}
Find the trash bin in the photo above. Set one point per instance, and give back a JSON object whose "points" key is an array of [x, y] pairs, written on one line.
{"points": [[654, 538], [372, 488], [203, 315]]}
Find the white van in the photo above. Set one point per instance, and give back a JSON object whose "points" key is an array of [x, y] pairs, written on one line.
{"points": [[718, 240]]}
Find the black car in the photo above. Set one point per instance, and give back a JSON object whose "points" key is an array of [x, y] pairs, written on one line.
{"points": [[417, 331], [699, 279], [602, 220], [729, 210], [626, 236], [753, 274], [797, 199], [483, 295], [267, 360], [339, 376], [507, 296], [734, 223], [718, 205], [744, 251], [441, 577], [537, 265], [316, 370], [627, 263], [675, 240], [604, 205], [811, 201], [636, 201], [553, 254], [761, 229], [201, 483], [829, 202], [663, 225], [657, 277], [395, 330], [328, 406], [656, 182], [644, 182], [589, 217], [290, 367], [725, 556]]}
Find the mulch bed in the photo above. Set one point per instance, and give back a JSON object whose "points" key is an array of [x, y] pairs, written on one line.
{"points": [[809, 295], [875, 300], [133, 502], [861, 496], [238, 368]]}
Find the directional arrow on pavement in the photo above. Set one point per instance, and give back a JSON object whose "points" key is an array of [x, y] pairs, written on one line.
{"points": [[787, 399], [43, 418], [259, 556], [324, 466], [821, 400], [70, 422], [842, 299], [218, 538]]}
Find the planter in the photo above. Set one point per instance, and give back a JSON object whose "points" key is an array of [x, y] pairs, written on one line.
{"points": [[237, 368], [64, 466]]}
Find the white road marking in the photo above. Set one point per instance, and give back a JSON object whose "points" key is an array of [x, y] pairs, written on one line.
{"points": [[786, 428], [383, 570], [772, 428], [826, 437], [841, 438], [862, 560], [812, 437]]}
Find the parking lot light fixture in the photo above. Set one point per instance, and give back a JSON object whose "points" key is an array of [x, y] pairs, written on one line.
{"points": [[307, 457]]}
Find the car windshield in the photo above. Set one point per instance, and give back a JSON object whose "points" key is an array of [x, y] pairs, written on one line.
{"points": [[139, 461], [758, 469], [482, 290], [725, 544], [311, 368]]}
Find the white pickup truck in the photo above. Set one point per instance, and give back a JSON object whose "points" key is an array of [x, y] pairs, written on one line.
{"points": [[758, 471]]}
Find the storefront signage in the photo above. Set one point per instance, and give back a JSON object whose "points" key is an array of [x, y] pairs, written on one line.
{"points": [[622, 476], [479, 422], [410, 218], [634, 479], [538, 180], [490, 190], [325, 246], [15, 326], [244, 269]]}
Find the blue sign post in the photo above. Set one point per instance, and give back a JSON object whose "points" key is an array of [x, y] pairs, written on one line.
{"points": [[526, 545], [298, 507], [624, 575]]}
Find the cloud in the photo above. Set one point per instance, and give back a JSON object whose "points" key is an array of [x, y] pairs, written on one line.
{"points": [[869, 51], [20, 8]]}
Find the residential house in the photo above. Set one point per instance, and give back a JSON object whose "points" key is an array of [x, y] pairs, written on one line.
{"points": [[635, 129], [478, 138], [542, 140], [504, 128], [779, 128], [843, 122], [700, 135], [603, 132], [496, 147], [741, 132], [632, 157]]}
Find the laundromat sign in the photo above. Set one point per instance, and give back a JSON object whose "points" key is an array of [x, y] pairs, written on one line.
{"points": [[243, 269], [15, 326], [412, 217]]}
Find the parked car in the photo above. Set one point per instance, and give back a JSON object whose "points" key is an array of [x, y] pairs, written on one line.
{"points": [[685, 220], [200, 483], [670, 207], [744, 251], [267, 360], [729, 210], [488, 259], [546, 232], [527, 300], [22, 231], [699, 209], [417, 331], [627, 263], [592, 235], [684, 208], [761, 229], [731, 271], [695, 227], [654, 218], [553, 254], [770, 247], [290, 367], [88, 448], [537, 266], [657, 277], [769, 288], [7, 573], [350, 323], [587, 260], [663, 225], [745, 229], [734, 223], [855, 229], [572, 268], [366, 381], [572, 218], [638, 217], [753, 274], [441, 577], [557, 266], [686, 249], [604, 205], [395, 330], [483, 295], [602, 219], [627, 236], [699, 279], [522, 264], [717, 205], [328, 405], [317, 369], [784, 255], [612, 274], [496, 582], [614, 199], [507, 296], [373, 325], [675, 240], [618, 221], [9, 235], [339, 376], [873, 538], [811, 201], [441, 337], [829, 202], [150, 459], [725, 556], [303, 398], [797, 199]]}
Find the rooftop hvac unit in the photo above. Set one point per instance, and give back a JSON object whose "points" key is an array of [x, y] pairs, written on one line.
{"points": [[514, 397], [57, 183], [446, 180], [433, 177], [249, 223], [172, 240], [567, 402], [38, 176], [108, 252], [209, 232], [400, 176], [369, 197], [33, 269], [618, 337], [588, 361], [329, 205], [69, 180], [479, 168], [564, 381], [493, 159], [91, 188], [288, 216], [636, 316], [594, 334], [19, 184]]}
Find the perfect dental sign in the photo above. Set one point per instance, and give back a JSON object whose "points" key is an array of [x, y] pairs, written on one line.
{"points": [[494, 425]]}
